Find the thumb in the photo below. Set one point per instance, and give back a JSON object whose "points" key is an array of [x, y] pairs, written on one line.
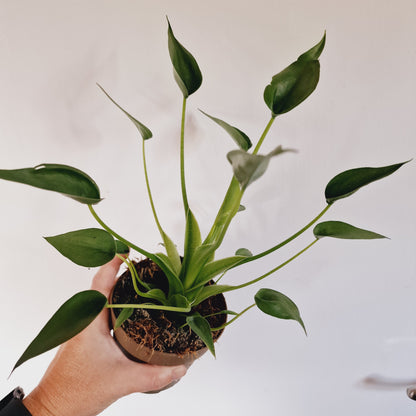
{"points": [[106, 276]]}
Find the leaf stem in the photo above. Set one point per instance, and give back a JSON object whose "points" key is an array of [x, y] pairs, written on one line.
{"points": [[149, 192], [233, 319], [148, 306], [276, 268], [119, 237], [182, 157], [283, 243], [263, 136]]}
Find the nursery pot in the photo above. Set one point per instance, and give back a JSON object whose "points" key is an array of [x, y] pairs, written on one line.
{"points": [[134, 337]]}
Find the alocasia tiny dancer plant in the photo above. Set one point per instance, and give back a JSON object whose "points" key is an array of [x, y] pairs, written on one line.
{"points": [[194, 275]]}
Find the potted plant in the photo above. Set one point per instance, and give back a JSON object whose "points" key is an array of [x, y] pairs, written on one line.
{"points": [[169, 308]]}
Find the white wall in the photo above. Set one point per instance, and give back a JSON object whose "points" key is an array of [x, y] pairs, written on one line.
{"points": [[356, 298]]}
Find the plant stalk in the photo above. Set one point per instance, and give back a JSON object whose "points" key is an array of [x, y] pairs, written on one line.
{"points": [[283, 243], [276, 268], [147, 306], [233, 319], [182, 158], [118, 236], [263, 136]]}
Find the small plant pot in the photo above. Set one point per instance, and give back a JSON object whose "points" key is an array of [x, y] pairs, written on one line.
{"points": [[137, 344]]}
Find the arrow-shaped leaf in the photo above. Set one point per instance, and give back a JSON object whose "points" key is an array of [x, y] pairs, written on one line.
{"points": [[186, 70], [248, 167], [242, 140], [350, 181], [90, 247], [64, 179], [201, 327], [338, 229], [295, 83], [278, 305], [70, 319], [143, 130]]}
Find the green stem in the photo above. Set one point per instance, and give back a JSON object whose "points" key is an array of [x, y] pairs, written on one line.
{"points": [[283, 243], [134, 276], [148, 306], [263, 136], [149, 192], [182, 157], [119, 237], [232, 320], [275, 269]]}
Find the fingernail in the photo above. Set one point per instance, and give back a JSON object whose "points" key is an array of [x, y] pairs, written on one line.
{"points": [[178, 373]]}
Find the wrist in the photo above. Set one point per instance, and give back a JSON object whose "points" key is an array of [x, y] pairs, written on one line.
{"points": [[38, 403]]}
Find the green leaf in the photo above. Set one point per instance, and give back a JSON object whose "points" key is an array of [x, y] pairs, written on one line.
{"points": [[121, 248], [201, 327], [199, 258], [350, 181], [163, 261], [248, 167], [192, 241], [278, 305], [243, 252], [90, 247], [208, 291], [123, 316], [186, 70], [295, 83], [172, 252], [338, 229], [242, 140], [143, 130], [70, 319], [214, 268], [64, 179], [157, 294], [315, 52], [179, 301]]}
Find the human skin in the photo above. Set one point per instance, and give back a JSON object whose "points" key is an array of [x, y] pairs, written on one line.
{"points": [[89, 372]]}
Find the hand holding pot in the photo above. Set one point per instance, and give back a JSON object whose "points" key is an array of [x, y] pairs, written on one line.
{"points": [[90, 372]]}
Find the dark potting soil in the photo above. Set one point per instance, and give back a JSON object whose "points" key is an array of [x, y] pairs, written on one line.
{"points": [[161, 330]]}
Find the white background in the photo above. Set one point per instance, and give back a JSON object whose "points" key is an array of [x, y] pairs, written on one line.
{"points": [[356, 298]]}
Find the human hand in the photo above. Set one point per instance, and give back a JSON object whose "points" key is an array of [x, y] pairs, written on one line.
{"points": [[89, 372]]}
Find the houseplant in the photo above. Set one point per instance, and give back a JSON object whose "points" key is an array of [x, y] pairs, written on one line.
{"points": [[188, 279]]}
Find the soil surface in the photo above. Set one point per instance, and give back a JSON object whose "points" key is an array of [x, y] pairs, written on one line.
{"points": [[161, 330]]}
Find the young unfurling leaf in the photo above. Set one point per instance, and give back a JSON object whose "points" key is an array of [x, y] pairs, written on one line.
{"points": [[186, 70]]}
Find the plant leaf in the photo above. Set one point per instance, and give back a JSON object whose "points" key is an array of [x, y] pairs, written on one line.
{"points": [[278, 305], [199, 258], [201, 327], [186, 70], [121, 248], [163, 261], [346, 183], [192, 241], [214, 268], [241, 208], [243, 252], [295, 83], [248, 167], [70, 319], [143, 130], [90, 247], [338, 229], [208, 291], [64, 179], [242, 140], [123, 316], [179, 301]]}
